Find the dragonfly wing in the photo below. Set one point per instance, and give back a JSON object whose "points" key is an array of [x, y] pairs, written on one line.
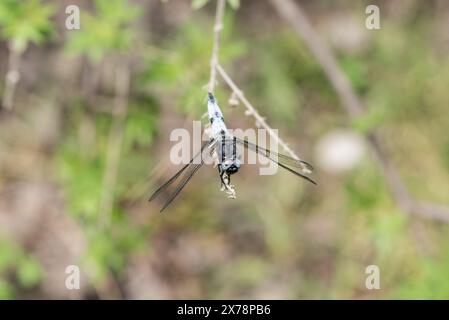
{"points": [[182, 183], [189, 170], [168, 182], [282, 160]]}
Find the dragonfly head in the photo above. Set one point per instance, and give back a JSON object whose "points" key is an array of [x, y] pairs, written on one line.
{"points": [[231, 167]]}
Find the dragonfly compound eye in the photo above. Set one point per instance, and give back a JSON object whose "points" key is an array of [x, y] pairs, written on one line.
{"points": [[232, 169]]}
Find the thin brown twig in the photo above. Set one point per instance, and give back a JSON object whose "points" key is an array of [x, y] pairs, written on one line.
{"points": [[215, 66], [252, 111], [218, 26], [294, 15]]}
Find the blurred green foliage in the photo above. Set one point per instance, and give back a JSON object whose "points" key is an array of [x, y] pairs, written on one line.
{"points": [[82, 163], [182, 68], [23, 270], [25, 21], [108, 30], [81, 170]]}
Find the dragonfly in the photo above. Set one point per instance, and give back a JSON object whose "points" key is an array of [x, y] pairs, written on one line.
{"points": [[224, 145]]}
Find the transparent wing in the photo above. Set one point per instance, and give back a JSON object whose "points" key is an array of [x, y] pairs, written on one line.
{"points": [[282, 160], [182, 183], [184, 175]]}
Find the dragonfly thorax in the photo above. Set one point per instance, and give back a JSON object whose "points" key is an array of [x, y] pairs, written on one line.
{"points": [[227, 155]]}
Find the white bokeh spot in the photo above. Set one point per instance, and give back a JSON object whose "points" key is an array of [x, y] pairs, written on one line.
{"points": [[340, 151]]}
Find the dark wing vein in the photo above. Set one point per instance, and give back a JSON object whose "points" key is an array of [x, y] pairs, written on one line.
{"points": [[192, 168], [169, 182], [185, 179], [282, 158], [284, 161]]}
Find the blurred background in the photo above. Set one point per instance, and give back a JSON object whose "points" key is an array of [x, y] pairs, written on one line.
{"points": [[84, 140]]}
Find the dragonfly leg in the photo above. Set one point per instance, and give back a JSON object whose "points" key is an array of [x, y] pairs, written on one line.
{"points": [[220, 172], [226, 181]]}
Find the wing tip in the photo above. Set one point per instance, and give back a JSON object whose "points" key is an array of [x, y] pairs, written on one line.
{"points": [[306, 164], [308, 179]]}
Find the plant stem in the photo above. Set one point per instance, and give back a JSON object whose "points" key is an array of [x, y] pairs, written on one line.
{"points": [[254, 113], [218, 26], [12, 78]]}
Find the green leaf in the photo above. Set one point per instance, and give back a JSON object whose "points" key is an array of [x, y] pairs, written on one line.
{"points": [[235, 4], [113, 31], [25, 21], [8, 255], [186, 67], [373, 118], [29, 273], [197, 4], [6, 290]]}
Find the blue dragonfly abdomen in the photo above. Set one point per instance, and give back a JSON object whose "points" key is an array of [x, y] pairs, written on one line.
{"points": [[217, 123]]}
